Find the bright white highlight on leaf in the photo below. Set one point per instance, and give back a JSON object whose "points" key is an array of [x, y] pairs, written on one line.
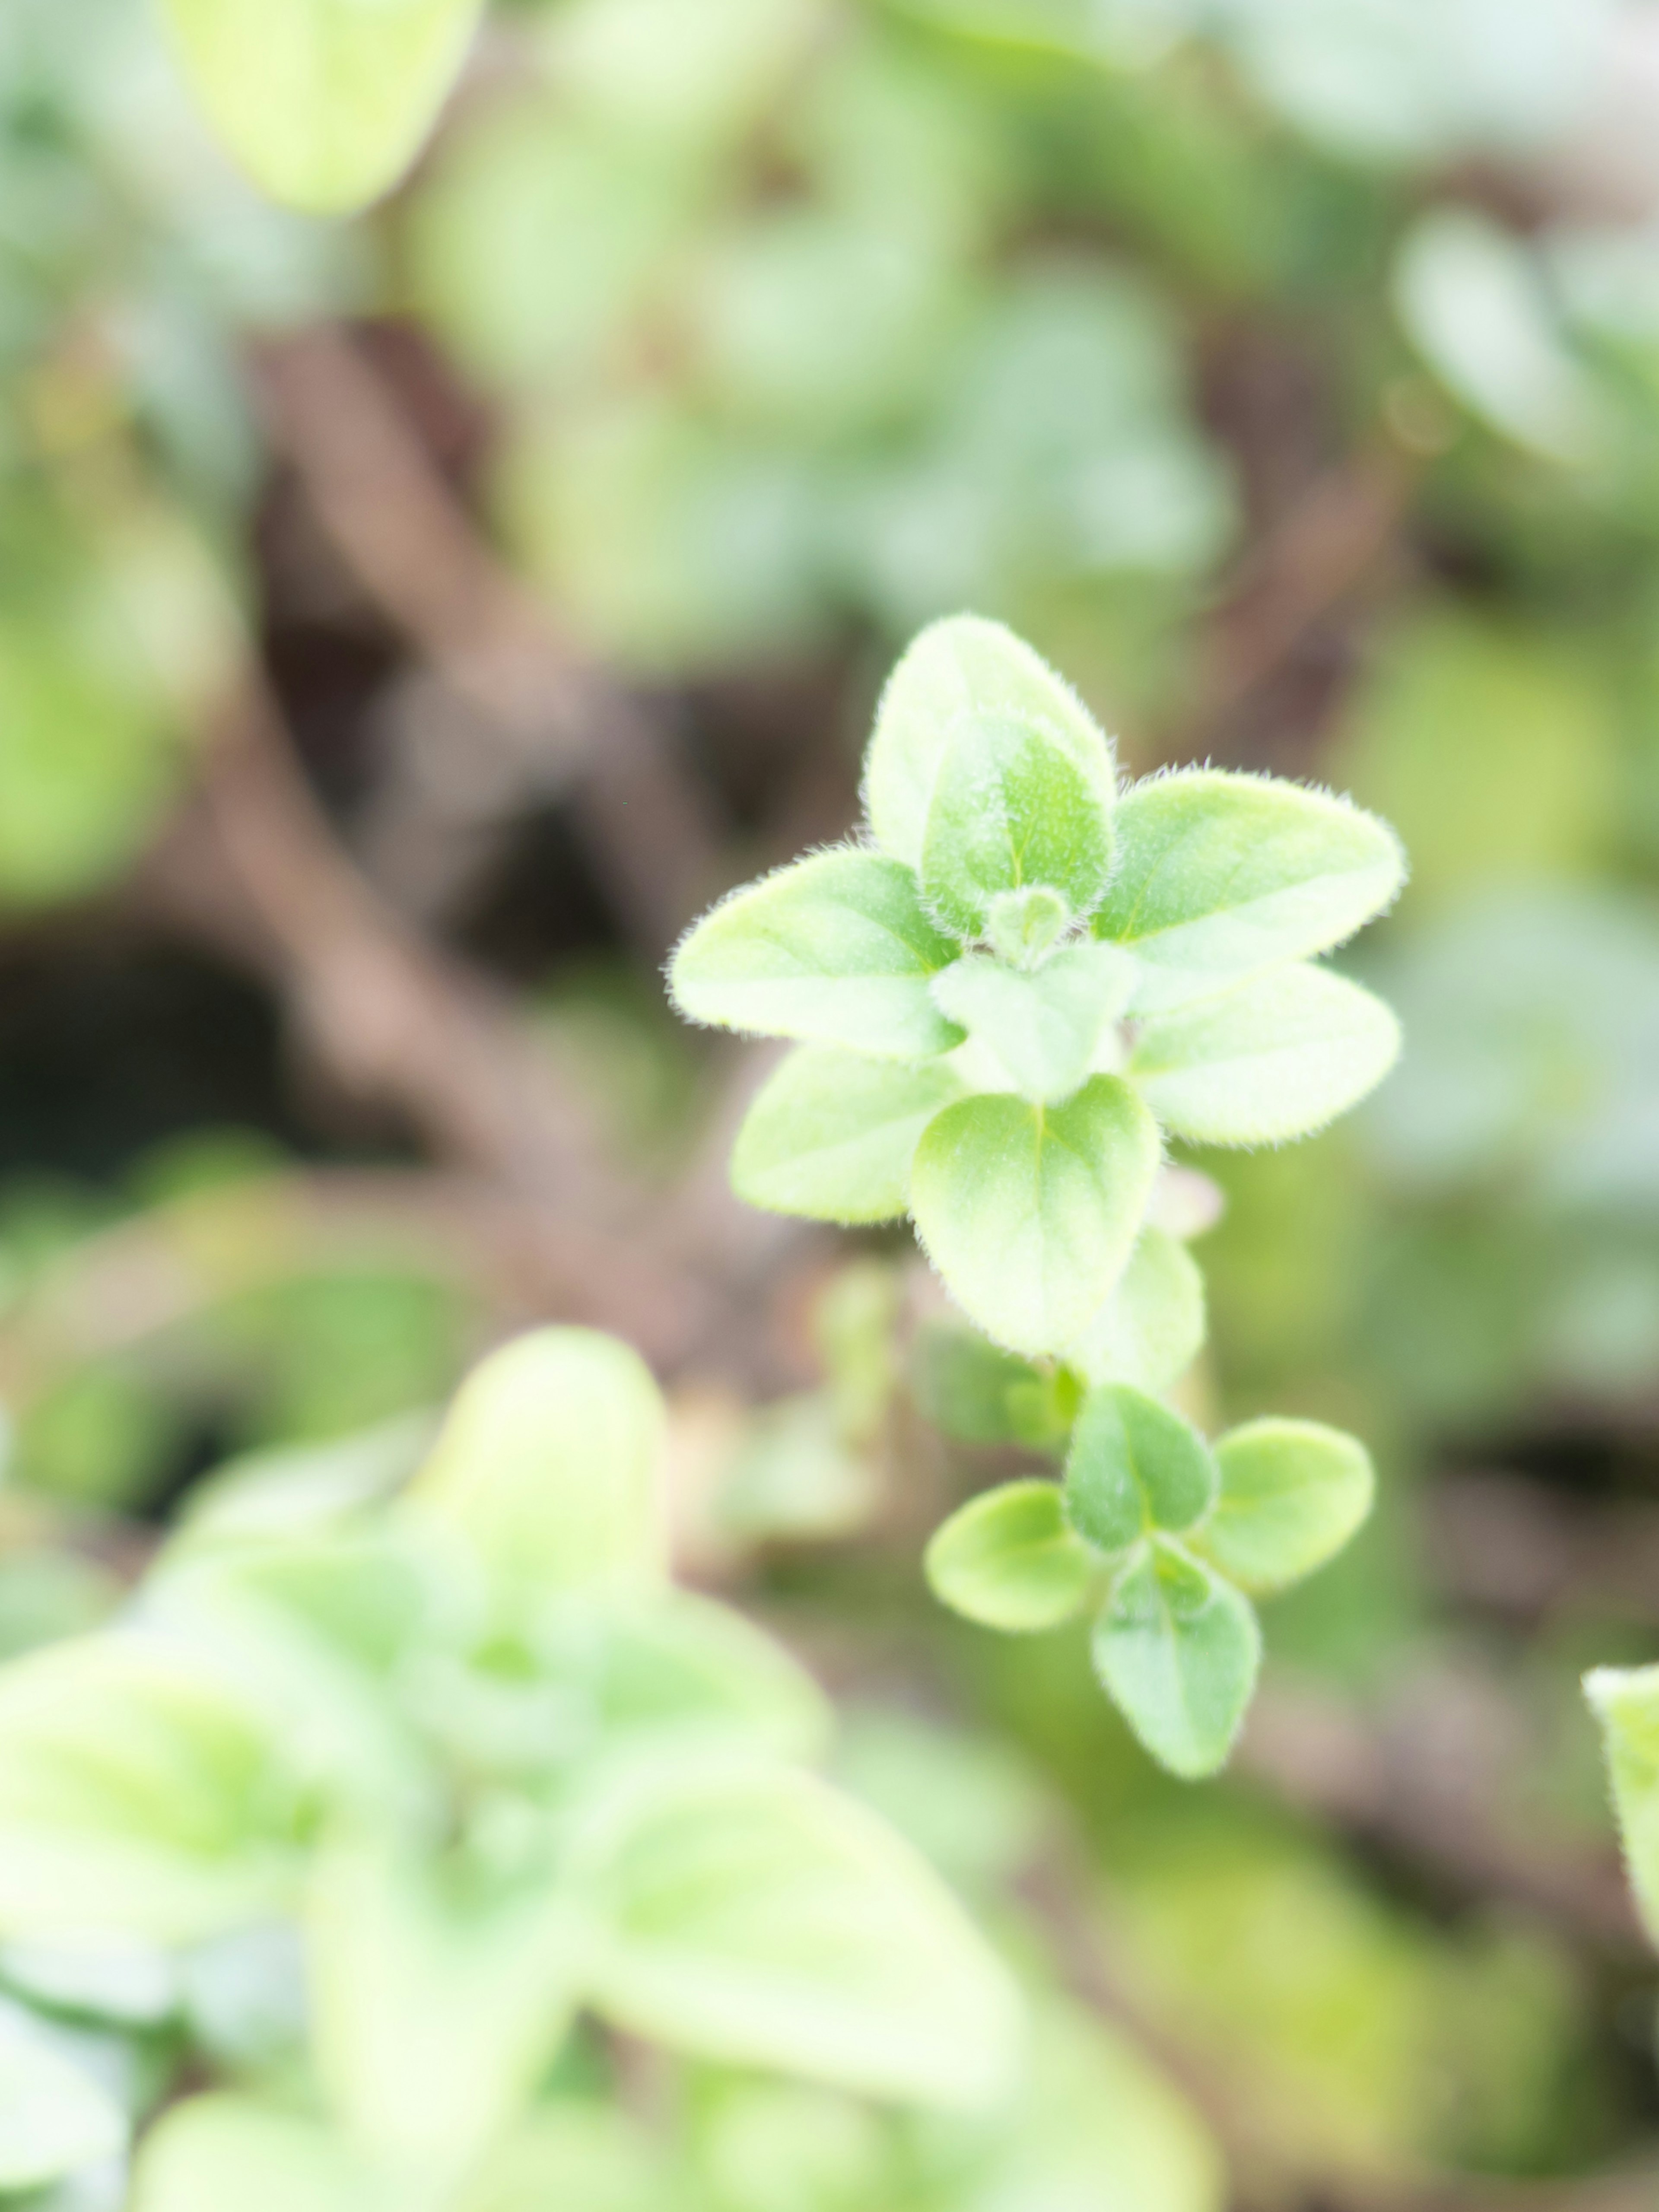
{"points": [[1219, 877], [324, 102], [831, 1134], [1009, 1560], [1274, 1059], [1042, 1026], [1030, 1213], [834, 950]]}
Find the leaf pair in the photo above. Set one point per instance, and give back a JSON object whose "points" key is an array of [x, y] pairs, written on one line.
{"points": [[1171, 1539], [960, 991]]}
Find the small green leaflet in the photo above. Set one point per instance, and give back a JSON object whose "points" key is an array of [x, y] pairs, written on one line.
{"points": [[1012, 811], [1219, 877], [1625, 1701], [1276, 1058], [833, 950], [1292, 1493], [1030, 1213], [755, 1916], [1151, 1328], [1009, 1560], [324, 102], [1043, 1026], [1177, 1649], [961, 668], [548, 1465], [1134, 1465], [832, 1134]]}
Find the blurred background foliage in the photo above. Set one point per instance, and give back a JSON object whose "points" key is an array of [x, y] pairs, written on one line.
{"points": [[404, 627]]}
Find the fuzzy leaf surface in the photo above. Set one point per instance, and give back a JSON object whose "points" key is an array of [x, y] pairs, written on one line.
{"points": [[1041, 1026], [1013, 809], [835, 949], [324, 102], [1134, 1465], [1010, 1559], [1177, 1649], [1277, 1058], [1625, 1702], [1292, 1493], [958, 670], [1219, 877], [831, 1134], [1152, 1326], [1030, 1213]]}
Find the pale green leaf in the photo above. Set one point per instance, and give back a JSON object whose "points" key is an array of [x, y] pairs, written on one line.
{"points": [[1220, 876], [137, 1795], [1041, 1026], [1477, 303], [1625, 1701], [834, 949], [1151, 1328], [1274, 1059], [1013, 809], [324, 102], [1292, 1493], [1030, 1213], [437, 2003], [755, 1917], [958, 670], [1177, 1649], [832, 1134], [1134, 1465], [211, 2152], [976, 1393], [548, 1465], [576, 2153], [54, 2117], [1009, 1560]]}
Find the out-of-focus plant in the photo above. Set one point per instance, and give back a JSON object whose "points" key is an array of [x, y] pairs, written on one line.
{"points": [[1006, 1000], [474, 1756]]}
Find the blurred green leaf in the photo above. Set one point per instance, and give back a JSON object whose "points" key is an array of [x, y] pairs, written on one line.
{"points": [[212, 2150], [1178, 1649], [324, 102], [53, 2118], [1292, 1493], [1044, 1027], [1134, 1465], [1151, 1328]]}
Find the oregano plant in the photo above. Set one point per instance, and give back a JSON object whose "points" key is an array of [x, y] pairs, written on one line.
{"points": [[1009, 992]]}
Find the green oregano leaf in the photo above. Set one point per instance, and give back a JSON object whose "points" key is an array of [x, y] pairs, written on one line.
{"points": [[1030, 1213], [323, 102], [832, 1134], [1276, 1058], [1134, 1465], [835, 949], [1219, 877], [1022, 926], [976, 1393], [1177, 1649], [1292, 1493], [1009, 1560], [1625, 1701], [1151, 1328], [1011, 808], [1042, 1026], [956, 670]]}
